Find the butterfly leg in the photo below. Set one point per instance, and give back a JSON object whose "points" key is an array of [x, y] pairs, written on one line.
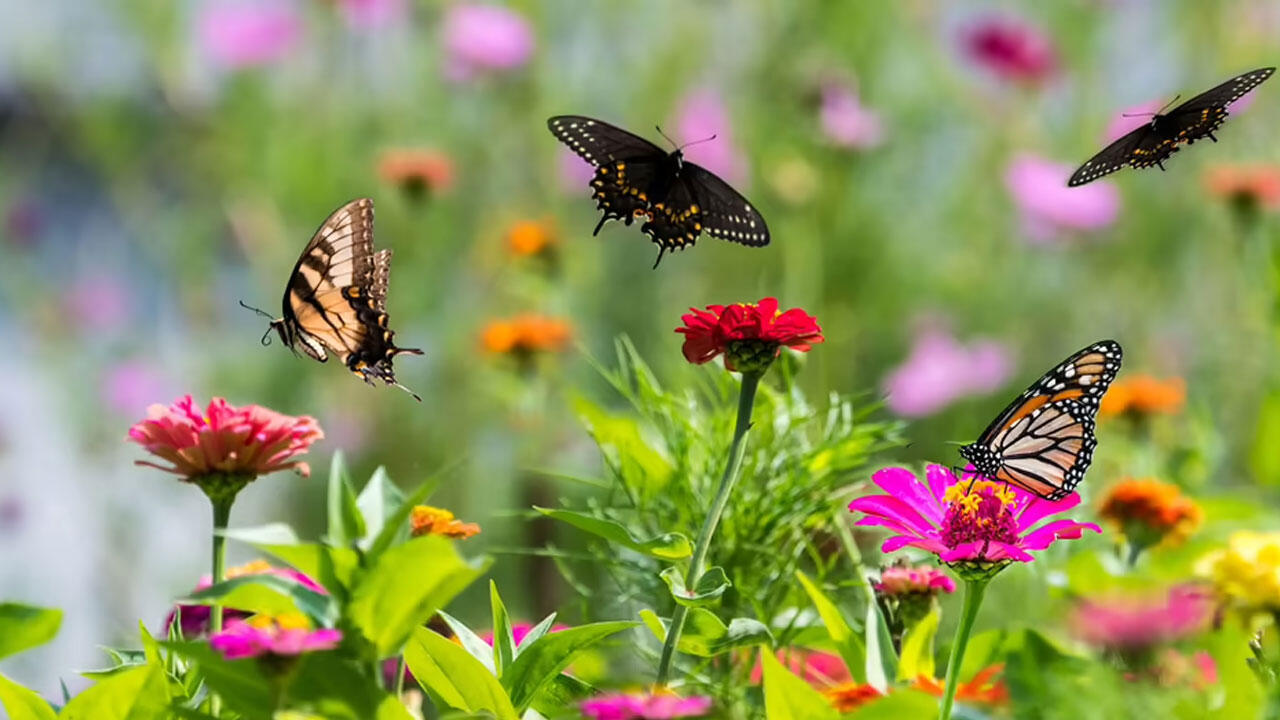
{"points": [[1211, 137], [1160, 165], [603, 219]]}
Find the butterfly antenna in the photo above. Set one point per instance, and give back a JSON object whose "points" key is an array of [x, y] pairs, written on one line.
{"points": [[674, 144], [266, 336], [260, 311], [697, 142], [414, 394], [1170, 103], [1137, 115]]}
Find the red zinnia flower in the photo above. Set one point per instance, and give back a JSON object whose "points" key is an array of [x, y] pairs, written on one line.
{"points": [[749, 335], [224, 440]]}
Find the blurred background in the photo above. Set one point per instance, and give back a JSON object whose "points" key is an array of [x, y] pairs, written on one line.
{"points": [[162, 161]]}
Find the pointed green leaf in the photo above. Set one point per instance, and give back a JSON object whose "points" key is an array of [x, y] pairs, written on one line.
{"points": [[459, 680], [626, 449], [917, 648], [24, 626], [378, 500], [336, 688], [536, 632], [504, 642], [346, 525], [882, 663], [141, 693], [396, 527], [787, 697], [708, 590], [848, 643], [268, 594], [240, 683], [705, 635], [668, 546], [471, 642], [150, 648], [563, 691], [21, 703], [406, 586], [540, 662]]}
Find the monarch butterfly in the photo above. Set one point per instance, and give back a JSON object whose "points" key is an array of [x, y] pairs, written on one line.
{"points": [[678, 200], [336, 298], [1155, 141], [1043, 441]]}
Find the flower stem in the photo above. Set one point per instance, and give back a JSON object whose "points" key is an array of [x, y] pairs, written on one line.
{"points": [[973, 592], [221, 516], [746, 401]]}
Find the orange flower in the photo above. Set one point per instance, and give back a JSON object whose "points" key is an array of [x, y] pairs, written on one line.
{"points": [[849, 696], [417, 170], [427, 520], [985, 688], [1144, 395], [1148, 511], [1250, 186], [526, 334], [531, 237]]}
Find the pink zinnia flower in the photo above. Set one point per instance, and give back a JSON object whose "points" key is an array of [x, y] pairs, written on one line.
{"points": [[940, 370], [240, 34], [898, 580], [195, 618], [1136, 623], [1131, 118], [281, 637], [1011, 49], [370, 14], [1049, 207], [575, 173], [845, 121], [224, 439], [819, 669], [521, 630], [702, 114], [967, 521], [484, 38], [622, 706]]}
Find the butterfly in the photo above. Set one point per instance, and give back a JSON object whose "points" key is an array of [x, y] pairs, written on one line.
{"points": [[336, 298], [678, 200], [1155, 141], [1043, 441]]}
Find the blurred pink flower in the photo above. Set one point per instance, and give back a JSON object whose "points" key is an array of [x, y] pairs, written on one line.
{"points": [[481, 38], [1011, 48], [1049, 207], [897, 580], [939, 370], [965, 521], [819, 669], [845, 121], [130, 386], [195, 618], [702, 114], [1142, 622], [623, 706], [370, 14], [1139, 115], [241, 34], [575, 173], [257, 637], [520, 630], [97, 303]]}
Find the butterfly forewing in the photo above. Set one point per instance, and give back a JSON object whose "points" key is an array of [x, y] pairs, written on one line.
{"points": [[1226, 93], [600, 143]]}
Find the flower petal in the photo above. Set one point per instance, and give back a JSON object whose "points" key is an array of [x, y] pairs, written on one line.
{"points": [[895, 509], [901, 541], [1057, 530], [904, 485]]}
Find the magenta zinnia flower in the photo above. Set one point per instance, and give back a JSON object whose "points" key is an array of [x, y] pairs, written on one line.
{"points": [[941, 370], [1011, 49], [965, 522], [900, 580], [1130, 624], [1049, 207], [622, 706], [238, 34], [223, 439], [702, 114], [484, 38], [280, 637]]}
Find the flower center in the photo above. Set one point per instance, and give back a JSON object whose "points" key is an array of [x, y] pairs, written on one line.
{"points": [[982, 512]]}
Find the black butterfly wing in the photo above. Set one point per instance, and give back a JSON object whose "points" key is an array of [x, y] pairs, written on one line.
{"points": [[1119, 154], [600, 143], [1226, 93], [724, 212]]}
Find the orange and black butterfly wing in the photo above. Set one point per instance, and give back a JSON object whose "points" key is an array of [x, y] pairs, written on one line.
{"points": [[1043, 442]]}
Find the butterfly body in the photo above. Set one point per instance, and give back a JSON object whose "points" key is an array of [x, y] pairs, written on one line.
{"points": [[1043, 442], [335, 301], [1156, 141], [676, 200]]}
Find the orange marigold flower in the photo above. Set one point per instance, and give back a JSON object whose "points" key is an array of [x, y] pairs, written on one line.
{"points": [[984, 688], [417, 170], [849, 696], [1247, 186], [1147, 511], [427, 520], [526, 334], [1144, 395], [527, 238]]}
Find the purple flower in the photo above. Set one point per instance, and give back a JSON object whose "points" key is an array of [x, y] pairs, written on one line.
{"points": [[129, 387], [239, 34], [281, 637], [483, 38], [845, 121], [623, 706], [1011, 49], [965, 521], [371, 14], [1049, 207], [701, 115], [940, 371], [98, 304]]}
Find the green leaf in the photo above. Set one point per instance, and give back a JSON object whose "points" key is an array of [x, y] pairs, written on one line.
{"points": [[21, 703], [378, 500], [141, 693], [1239, 694], [346, 524], [1263, 459], [848, 643], [24, 626], [397, 523], [787, 697], [406, 586], [471, 642], [333, 567], [536, 632], [707, 591], [459, 680], [150, 648], [268, 594], [504, 643], [335, 688], [902, 703], [882, 663], [563, 691], [705, 635], [540, 662], [667, 546], [625, 448], [240, 683], [917, 648]]}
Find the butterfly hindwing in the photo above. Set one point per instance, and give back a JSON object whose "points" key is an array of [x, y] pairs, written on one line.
{"points": [[726, 213]]}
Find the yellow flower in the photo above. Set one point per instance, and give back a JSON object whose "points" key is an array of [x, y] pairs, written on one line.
{"points": [[427, 520], [1148, 511], [1246, 573]]}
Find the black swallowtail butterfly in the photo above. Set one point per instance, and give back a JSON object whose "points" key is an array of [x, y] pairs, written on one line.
{"points": [[1154, 142], [677, 200]]}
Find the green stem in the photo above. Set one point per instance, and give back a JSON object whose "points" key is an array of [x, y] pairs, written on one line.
{"points": [[973, 592], [221, 516], [746, 401]]}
